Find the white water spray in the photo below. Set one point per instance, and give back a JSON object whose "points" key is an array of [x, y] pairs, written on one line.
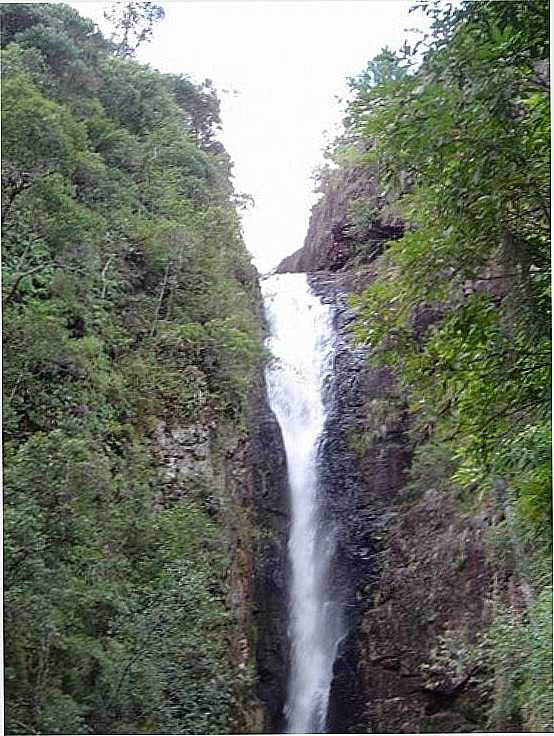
{"points": [[301, 339]]}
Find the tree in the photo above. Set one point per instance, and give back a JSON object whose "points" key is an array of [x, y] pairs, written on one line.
{"points": [[133, 24]]}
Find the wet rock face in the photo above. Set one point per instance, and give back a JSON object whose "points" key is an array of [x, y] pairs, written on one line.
{"points": [[351, 499], [428, 607], [412, 568], [272, 498]]}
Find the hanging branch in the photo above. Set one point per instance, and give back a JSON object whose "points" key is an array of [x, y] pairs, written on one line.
{"points": [[24, 274], [504, 497], [133, 24], [160, 300], [104, 273]]}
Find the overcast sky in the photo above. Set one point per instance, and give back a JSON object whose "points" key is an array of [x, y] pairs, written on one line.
{"points": [[287, 60]]}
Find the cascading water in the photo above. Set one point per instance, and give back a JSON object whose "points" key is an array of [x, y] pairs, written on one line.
{"points": [[301, 340]]}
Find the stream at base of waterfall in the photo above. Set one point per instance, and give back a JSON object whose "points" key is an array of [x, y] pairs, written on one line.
{"points": [[302, 342]]}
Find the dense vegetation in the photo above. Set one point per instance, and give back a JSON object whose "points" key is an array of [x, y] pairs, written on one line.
{"points": [[456, 132], [128, 297]]}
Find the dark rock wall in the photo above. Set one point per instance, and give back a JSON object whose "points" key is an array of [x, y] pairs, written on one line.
{"points": [[268, 572], [415, 579], [342, 486], [429, 604], [351, 491], [332, 241], [269, 468]]}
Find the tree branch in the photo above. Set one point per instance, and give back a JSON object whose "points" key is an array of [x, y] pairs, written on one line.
{"points": [[160, 300], [21, 276], [103, 275]]}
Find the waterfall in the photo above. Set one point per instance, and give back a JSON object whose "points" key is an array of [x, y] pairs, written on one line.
{"points": [[302, 341]]}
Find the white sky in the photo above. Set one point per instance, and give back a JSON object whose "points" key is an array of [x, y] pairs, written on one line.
{"points": [[287, 60]]}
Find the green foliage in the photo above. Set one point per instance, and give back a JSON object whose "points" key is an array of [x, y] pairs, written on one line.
{"points": [[362, 215], [470, 278], [383, 69], [33, 149], [128, 297], [432, 467], [460, 308], [518, 657], [382, 417], [69, 45]]}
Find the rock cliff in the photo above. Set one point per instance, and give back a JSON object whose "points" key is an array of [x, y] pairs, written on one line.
{"points": [[416, 579], [269, 476], [350, 221], [242, 476], [240, 472], [415, 576]]}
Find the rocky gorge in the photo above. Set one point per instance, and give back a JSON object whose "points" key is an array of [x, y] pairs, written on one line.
{"points": [[312, 501], [413, 561], [416, 561], [410, 565], [418, 580]]}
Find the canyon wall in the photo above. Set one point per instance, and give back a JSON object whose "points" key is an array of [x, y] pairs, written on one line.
{"points": [[412, 553], [242, 474], [336, 235], [239, 469], [271, 505], [413, 564]]}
